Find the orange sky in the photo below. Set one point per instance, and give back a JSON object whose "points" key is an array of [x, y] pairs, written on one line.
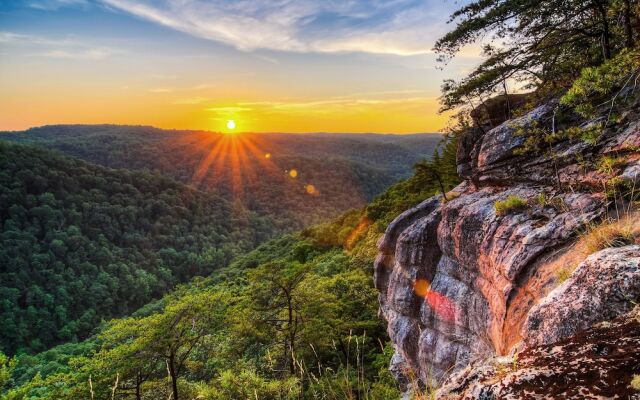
{"points": [[69, 102], [115, 61]]}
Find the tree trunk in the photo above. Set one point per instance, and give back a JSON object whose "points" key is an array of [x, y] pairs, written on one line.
{"points": [[627, 23], [606, 33], [172, 373], [506, 98], [343, 348], [606, 45], [444, 193], [138, 384], [292, 366]]}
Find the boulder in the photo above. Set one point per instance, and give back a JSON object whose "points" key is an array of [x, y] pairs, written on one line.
{"points": [[604, 286]]}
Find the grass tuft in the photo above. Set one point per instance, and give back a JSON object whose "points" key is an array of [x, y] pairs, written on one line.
{"points": [[611, 233], [563, 274], [511, 204]]}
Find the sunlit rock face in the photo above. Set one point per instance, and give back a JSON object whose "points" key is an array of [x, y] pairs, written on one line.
{"points": [[597, 363], [604, 286], [459, 282]]}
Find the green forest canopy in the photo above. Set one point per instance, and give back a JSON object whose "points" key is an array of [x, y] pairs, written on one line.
{"points": [[81, 243], [296, 318]]}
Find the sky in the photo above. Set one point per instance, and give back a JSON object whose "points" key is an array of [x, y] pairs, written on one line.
{"points": [[268, 65]]}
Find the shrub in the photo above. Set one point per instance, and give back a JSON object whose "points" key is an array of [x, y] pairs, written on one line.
{"points": [[608, 165], [538, 139], [511, 204], [247, 384], [595, 83]]}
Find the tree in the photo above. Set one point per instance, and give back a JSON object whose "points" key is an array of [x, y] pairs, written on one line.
{"points": [[543, 43], [6, 366], [441, 170], [141, 348], [81, 243], [432, 170], [279, 303]]}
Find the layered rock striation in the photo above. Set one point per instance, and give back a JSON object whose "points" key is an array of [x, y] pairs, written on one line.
{"points": [[460, 281]]}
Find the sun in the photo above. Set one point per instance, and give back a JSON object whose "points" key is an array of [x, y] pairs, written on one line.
{"points": [[231, 124]]}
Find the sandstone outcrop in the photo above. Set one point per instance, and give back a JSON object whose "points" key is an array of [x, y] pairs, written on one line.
{"points": [[598, 363], [604, 286], [460, 282]]}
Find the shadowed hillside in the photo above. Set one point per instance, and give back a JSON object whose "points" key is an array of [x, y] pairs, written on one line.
{"points": [[296, 178]]}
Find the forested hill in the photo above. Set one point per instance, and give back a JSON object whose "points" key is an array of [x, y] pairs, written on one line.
{"points": [[298, 179], [297, 318], [82, 243]]}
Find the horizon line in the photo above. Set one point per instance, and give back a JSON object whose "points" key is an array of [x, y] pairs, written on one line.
{"points": [[218, 132]]}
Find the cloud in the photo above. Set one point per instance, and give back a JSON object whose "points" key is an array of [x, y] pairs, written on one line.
{"points": [[82, 54], [8, 37], [190, 100], [227, 110], [203, 86], [58, 47], [335, 105], [268, 59], [52, 5], [161, 90], [400, 27]]}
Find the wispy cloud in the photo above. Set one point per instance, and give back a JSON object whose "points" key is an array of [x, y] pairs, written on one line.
{"points": [[203, 86], [161, 90], [50, 5], [401, 27], [268, 59], [190, 100], [85, 54], [58, 47], [336, 105], [227, 109]]}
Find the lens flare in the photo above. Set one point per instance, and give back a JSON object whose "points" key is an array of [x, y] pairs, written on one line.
{"points": [[232, 159], [421, 287], [357, 232], [441, 305]]}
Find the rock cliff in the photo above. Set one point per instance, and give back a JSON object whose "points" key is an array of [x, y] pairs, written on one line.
{"points": [[593, 364], [461, 283]]}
